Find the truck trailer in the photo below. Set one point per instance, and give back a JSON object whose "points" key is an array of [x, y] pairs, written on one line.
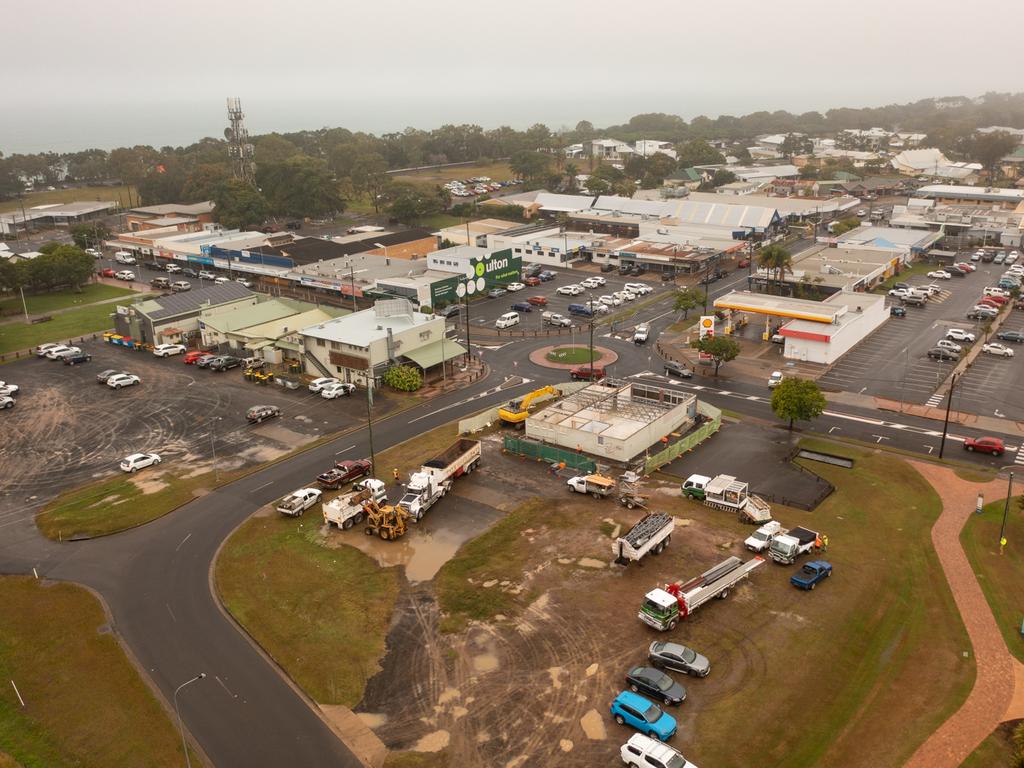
{"points": [[347, 510], [434, 479], [664, 608], [651, 535], [728, 493]]}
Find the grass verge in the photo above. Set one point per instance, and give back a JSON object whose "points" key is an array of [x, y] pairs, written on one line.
{"points": [[85, 703], [499, 171], [571, 355], [41, 303], [15, 336], [418, 760], [918, 268], [1001, 576], [997, 751], [76, 195], [322, 614]]}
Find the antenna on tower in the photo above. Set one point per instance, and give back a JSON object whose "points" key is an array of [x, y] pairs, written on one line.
{"points": [[242, 153]]}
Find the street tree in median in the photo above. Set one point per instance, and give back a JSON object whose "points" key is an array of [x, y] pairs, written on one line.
{"points": [[776, 261], [687, 299], [797, 400], [721, 349], [90, 234]]}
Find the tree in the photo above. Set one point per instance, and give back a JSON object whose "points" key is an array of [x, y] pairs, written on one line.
{"points": [[404, 378], [698, 152], [408, 203], [570, 171], [721, 349], [369, 177], [798, 400], [687, 299], [237, 204], [777, 261], [202, 182], [989, 148], [845, 225], [300, 186], [529, 166], [90, 234]]}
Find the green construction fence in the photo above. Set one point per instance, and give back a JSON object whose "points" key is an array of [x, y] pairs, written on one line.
{"points": [[549, 454]]}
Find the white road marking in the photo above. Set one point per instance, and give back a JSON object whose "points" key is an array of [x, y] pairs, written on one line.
{"points": [[833, 429], [182, 542], [880, 438], [222, 685], [344, 450], [173, 617], [261, 486]]}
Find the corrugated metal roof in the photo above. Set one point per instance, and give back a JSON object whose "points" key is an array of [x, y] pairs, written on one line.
{"points": [[192, 301]]}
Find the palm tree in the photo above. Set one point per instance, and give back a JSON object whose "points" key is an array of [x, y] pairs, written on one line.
{"points": [[570, 174], [777, 261]]}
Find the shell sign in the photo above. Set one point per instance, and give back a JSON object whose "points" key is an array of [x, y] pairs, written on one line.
{"points": [[707, 325]]}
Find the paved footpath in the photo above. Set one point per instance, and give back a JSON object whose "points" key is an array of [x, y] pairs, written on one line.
{"points": [[992, 700]]}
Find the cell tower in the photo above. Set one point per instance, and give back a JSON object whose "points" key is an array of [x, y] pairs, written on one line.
{"points": [[242, 153]]}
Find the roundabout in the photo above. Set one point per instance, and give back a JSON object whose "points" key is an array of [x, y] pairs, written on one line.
{"points": [[565, 356]]}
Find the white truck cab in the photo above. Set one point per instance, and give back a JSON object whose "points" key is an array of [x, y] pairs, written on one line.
{"points": [[761, 539]]}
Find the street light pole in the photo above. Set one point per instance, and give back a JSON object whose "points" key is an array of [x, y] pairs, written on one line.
{"points": [[352, 282], [213, 447], [945, 425], [177, 712], [1006, 508], [369, 419], [469, 348]]}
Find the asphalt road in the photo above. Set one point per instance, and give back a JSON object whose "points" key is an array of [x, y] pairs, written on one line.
{"points": [[155, 579]]}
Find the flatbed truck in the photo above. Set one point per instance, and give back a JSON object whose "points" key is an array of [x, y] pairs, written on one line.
{"points": [[664, 608]]}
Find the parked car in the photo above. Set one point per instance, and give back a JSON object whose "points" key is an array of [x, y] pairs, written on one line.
{"points": [[899, 293], [153, 265], [172, 269], [124, 257], [898, 311], [607, 267], [993, 445], [672, 368], [6, 402], [94, 253], [77, 357], [532, 280], [138, 461], [495, 293], [943, 355], [644, 752], [634, 710], [203, 361], [1015, 336], [811, 573], [514, 287], [610, 300], [570, 290], [959, 334], [119, 380], [452, 310], [160, 283], [192, 356], [205, 274], [592, 282], [341, 389], [999, 350], [656, 684], [8, 390], [42, 349], [587, 373], [243, 282], [125, 274], [640, 289], [981, 313], [556, 319], [940, 274], [966, 265], [679, 658], [224, 362], [166, 350], [316, 385], [61, 351], [538, 301], [996, 301], [259, 413], [297, 502], [180, 286], [103, 376], [914, 300], [352, 469], [547, 275], [947, 344], [189, 272], [522, 306]]}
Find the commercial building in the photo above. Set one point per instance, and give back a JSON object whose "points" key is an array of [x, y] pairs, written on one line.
{"points": [[910, 242], [174, 318], [270, 330], [149, 216], [473, 232], [814, 331], [616, 420], [952, 194], [360, 346], [966, 223], [824, 270], [932, 162], [53, 215]]}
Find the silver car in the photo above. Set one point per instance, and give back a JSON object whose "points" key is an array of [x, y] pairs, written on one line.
{"points": [[678, 658]]}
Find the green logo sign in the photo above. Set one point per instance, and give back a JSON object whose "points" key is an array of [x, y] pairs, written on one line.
{"points": [[480, 269]]}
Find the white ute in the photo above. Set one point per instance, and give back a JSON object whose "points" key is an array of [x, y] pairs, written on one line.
{"points": [[644, 752], [761, 539], [297, 502]]}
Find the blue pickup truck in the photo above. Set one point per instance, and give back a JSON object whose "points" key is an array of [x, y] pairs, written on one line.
{"points": [[811, 574]]}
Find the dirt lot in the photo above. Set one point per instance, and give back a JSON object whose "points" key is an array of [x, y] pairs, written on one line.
{"points": [[67, 429], [530, 684]]}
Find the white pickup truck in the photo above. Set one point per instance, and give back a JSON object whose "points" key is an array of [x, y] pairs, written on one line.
{"points": [[297, 502], [346, 510], [761, 539]]}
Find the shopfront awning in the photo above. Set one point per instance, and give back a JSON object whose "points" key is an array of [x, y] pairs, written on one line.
{"points": [[431, 354], [291, 346]]}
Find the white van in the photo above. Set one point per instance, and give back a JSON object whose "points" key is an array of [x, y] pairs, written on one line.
{"points": [[507, 320], [124, 257]]}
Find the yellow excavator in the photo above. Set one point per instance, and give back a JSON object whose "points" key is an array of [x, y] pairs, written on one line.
{"points": [[514, 414], [384, 520]]}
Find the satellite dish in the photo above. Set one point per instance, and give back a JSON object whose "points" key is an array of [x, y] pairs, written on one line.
{"points": [[228, 133]]}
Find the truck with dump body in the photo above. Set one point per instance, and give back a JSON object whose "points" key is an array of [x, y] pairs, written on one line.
{"points": [[651, 535], [788, 547], [664, 608], [346, 510], [597, 486], [434, 479], [728, 493]]}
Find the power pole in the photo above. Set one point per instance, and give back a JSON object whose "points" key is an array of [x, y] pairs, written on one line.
{"points": [[945, 425], [369, 419], [1006, 508]]}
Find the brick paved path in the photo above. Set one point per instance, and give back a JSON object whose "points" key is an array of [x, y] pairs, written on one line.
{"points": [[989, 702]]}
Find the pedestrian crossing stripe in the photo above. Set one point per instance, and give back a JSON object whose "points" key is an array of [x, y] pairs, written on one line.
{"points": [[934, 400], [1020, 456]]}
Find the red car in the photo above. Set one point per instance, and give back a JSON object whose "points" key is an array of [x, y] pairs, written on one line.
{"points": [[1000, 300], [743, 263], [587, 373], [108, 272], [991, 445], [191, 356], [538, 301], [531, 280], [344, 472]]}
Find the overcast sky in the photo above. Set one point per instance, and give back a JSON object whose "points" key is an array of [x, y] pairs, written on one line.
{"points": [[108, 72]]}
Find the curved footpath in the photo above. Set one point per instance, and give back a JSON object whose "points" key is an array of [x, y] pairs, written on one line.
{"points": [[998, 692]]}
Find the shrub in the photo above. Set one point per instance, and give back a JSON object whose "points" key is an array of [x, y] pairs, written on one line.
{"points": [[404, 378]]}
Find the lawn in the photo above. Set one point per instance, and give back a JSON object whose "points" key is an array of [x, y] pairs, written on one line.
{"points": [[1001, 576], [498, 171], [571, 355], [86, 705], [917, 268], [115, 504], [321, 613], [41, 303], [78, 195], [15, 336], [996, 751]]}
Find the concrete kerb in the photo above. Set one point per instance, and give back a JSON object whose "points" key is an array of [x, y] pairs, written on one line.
{"points": [[539, 357], [962, 367]]}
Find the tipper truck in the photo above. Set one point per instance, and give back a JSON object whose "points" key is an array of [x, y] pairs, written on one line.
{"points": [[651, 535], [434, 479], [347, 510], [664, 608], [788, 547]]}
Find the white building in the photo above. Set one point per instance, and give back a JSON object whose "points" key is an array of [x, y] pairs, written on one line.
{"points": [[649, 147]]}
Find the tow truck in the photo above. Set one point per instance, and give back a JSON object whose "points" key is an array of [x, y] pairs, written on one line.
{"points": [[664, 608]]}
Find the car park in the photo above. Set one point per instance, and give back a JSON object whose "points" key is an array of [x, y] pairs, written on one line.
{"points": [[166, 350], [679, 658], [999, 350], [120, 380], [943, 355], [125, 274], [538, 301], [992, 445], [652, 682], [1014, 336], [959, 334], [514, 287], [634, 710], [672, 368], [940, 274], [644, 752], [138, 461], [260, 413], [77, 357], [341, 389]]}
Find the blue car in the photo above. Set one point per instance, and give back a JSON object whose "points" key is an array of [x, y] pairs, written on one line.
{"points": [[812, 572], [634, 710], [522, 306]]}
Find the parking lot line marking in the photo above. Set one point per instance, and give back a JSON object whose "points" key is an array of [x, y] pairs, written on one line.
{"points": [[222, 685], [173, 617], [344, 450], [262, 486], [182, 542]]}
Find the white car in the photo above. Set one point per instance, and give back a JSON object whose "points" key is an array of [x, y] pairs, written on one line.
{"points": [[597, 279], [124, 257], [959, 334], [6, 402], [556, 319], [243, 282], [94, 253], [125, 274], [221, 280], [639, 288], [899, 293], [1012, 257], [138, 461], [317, 385], [931, 289], [625, 295], [42, 349], [775, 379], [206, 275], [947, 344], [1016, 269], [611, 301], [597, 307], [297, 502], [976, 257], [340, 389], [60, 354], [166, 350], [8, 390], [997, 349], [123, 380], [590, 282], [999, 292], [513, 287], [645, 752], [172, 269], [570, 290], [940, 274]]}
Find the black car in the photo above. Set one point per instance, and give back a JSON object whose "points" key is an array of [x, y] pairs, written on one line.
{"points": [[904, 286], [102, 376], [533, 270], [1015, 336], [547, 275], [607, 267], [666, 276], [189, 272], [636, 271], [672, 368], [956, 271], [78, 357], [624, 268], [224, 362], [655, 684], [156, 266], [522, 306], [943, 354], [898, 311], [452, 310], [978, 314]]}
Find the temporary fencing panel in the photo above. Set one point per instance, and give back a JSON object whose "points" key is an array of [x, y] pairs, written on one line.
{"points": [[549, 454], [689, 442]]}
